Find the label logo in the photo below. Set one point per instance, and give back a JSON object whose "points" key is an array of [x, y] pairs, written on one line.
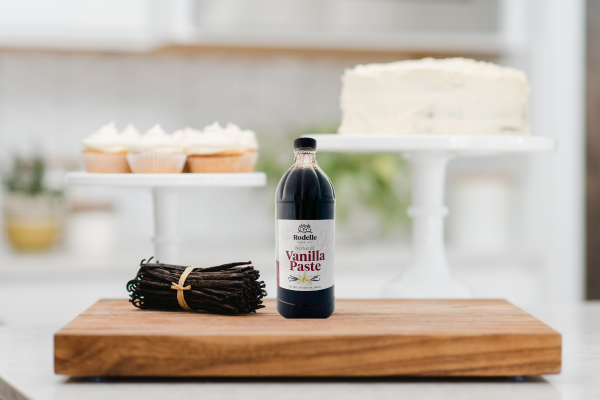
{"points": [[304, 228]]}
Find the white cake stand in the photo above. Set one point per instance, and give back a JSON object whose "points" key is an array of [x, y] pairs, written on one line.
{"points": [[428, 274], [165, 189]]}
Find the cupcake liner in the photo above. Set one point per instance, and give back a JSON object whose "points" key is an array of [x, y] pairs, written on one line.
{"points": [[249, 161], [207, 164], [156, 163], [105, 163]]}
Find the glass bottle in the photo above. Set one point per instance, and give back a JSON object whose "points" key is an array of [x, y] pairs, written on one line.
{"points": [[305, 237]]}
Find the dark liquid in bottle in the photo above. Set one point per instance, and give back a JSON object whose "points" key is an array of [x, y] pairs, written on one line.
{"points": [[305, 193]]}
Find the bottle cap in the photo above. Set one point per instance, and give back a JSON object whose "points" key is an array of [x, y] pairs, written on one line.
{"points": [[305, 142]]}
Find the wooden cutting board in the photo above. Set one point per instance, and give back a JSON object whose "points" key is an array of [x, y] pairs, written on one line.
{"points": [[363, 338]]}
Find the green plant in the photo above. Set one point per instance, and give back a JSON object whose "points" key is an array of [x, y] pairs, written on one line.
{"points": [[374, 180], [26, 176]]}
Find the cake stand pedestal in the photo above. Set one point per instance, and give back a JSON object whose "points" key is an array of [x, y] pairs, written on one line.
{"points": [[428, 274], [165, 190]]}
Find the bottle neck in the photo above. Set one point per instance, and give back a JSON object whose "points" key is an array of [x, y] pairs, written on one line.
{"points": [[305, 157]]}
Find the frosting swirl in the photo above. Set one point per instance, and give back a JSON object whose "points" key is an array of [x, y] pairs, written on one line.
{"points": [[106, 140], [130, 133], [214, 128], [247, 137], [156, 141], [182, 134], [249, 140], [211, 140]]}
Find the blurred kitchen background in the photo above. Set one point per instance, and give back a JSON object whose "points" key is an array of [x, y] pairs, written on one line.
{"points": [[516, 224]]}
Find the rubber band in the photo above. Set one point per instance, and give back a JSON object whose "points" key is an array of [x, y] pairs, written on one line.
{"points": [[180, 288]]}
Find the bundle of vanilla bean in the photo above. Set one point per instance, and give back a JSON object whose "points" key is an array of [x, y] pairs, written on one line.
{"points": [[225, 289]]}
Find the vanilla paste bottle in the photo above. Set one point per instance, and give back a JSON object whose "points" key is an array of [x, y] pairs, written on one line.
{"points": [[305, 237]]}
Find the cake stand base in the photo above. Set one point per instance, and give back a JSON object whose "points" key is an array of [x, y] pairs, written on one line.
{"points": [[414, 284], [428, 274]]}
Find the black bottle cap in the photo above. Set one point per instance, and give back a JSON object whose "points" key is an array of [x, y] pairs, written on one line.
{"points": [[305, 142]]}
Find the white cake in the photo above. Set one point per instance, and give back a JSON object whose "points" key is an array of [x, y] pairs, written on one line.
{"points": [[455, 96]]}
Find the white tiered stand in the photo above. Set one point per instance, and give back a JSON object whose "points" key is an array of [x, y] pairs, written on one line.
{"points": [[428, 274], [165, 189]]}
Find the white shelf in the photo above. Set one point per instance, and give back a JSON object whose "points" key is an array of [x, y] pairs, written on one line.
{"points": [[251, 179], [475, 43], [459, 145]]}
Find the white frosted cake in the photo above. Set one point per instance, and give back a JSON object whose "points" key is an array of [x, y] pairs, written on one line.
{"points": [[455, 96]]}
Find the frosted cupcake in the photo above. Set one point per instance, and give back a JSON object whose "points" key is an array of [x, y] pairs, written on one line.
{"points": [[249, 145], [156, 152], [213, 150], [105, 151]]}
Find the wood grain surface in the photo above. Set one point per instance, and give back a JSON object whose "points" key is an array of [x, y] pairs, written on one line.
{"points": [[363, 338]]}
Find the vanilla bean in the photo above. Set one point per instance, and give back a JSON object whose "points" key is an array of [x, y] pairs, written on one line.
{"points": [[231, 288], [217, 275], [183, 267]]}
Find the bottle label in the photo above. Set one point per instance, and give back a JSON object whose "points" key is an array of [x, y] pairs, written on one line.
{"points": [[305, 255]]}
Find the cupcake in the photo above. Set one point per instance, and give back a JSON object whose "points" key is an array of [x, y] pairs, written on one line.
{"points": [[105, 151], [213, 150], [250, 144], [156, 152]]}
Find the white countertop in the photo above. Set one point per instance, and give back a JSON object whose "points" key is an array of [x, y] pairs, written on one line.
{"points": [[26, 360]]}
